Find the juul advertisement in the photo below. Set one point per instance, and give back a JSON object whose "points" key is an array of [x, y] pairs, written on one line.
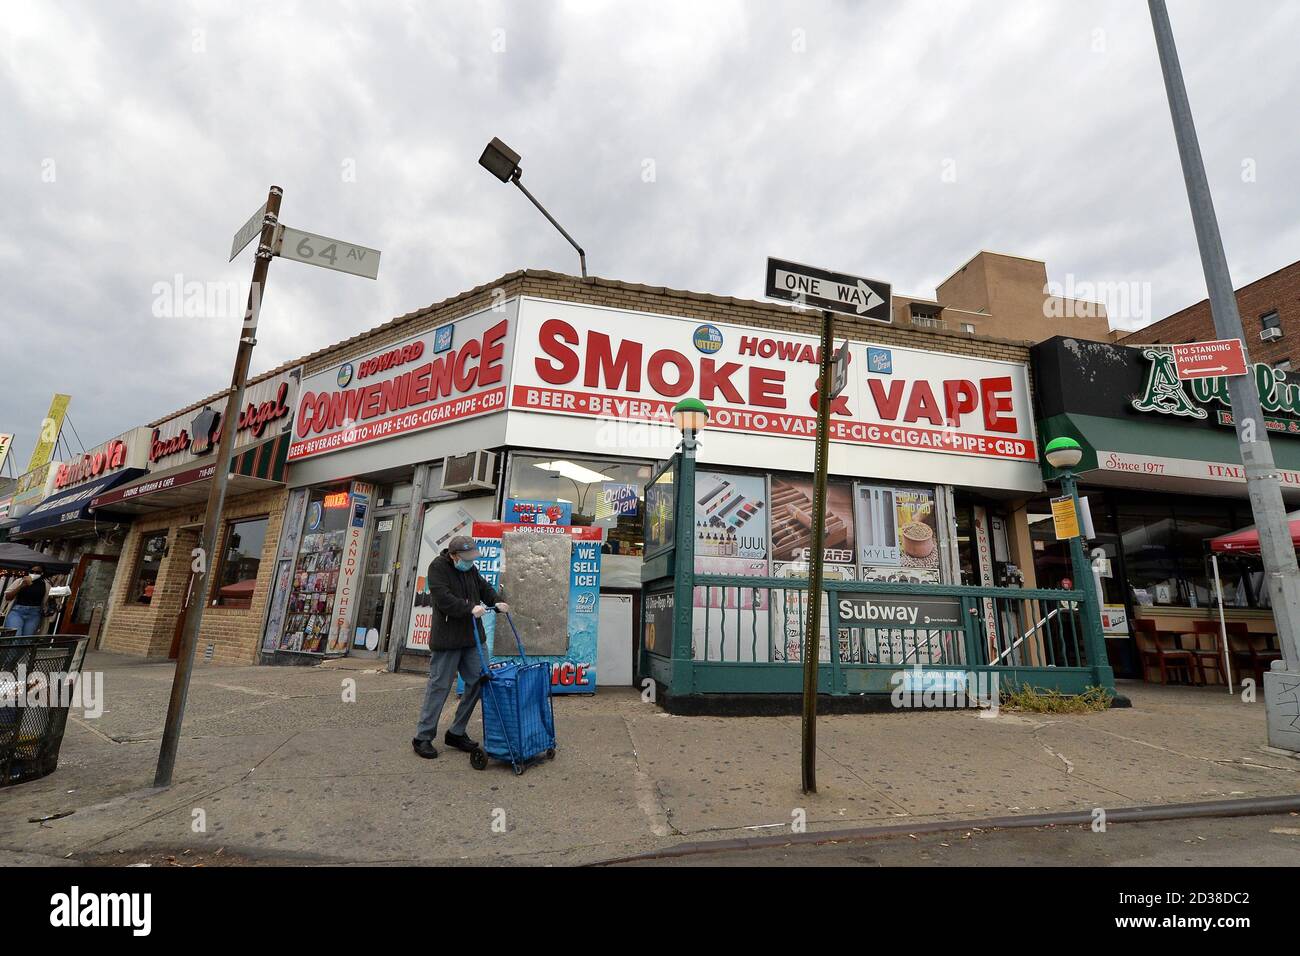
{"points": [[634, 366], [448, 374]]}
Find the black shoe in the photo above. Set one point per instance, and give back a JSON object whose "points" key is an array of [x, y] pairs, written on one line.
{"points": [[459, 741], [424, 748]]}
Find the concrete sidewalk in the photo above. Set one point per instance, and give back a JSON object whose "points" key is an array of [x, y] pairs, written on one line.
{"points": [[281, 769]]}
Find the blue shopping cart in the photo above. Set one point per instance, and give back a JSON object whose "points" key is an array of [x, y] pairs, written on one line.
{"points": [[518, 723]]}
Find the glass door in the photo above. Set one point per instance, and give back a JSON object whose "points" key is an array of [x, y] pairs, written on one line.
{"points": [[378, 585]]}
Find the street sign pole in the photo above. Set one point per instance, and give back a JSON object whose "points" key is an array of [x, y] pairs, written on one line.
{"points": [[812, 631], [1262, 484], [206, 559]]}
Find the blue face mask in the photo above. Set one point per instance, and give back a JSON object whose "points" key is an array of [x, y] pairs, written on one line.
{"points": [[463, 565]]}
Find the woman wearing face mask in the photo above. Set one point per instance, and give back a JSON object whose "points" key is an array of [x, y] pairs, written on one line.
{"points": [[460, 596], [29, 594]]}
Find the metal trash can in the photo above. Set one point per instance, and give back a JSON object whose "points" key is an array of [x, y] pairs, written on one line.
{"points": [[36, 682]]}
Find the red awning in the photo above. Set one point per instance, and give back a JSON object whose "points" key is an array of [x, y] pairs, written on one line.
{"points": [[1247, 539]]}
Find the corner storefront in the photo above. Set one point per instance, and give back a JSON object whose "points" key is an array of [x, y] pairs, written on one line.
{"points": [[542, 402], [1162, 476], [154, 583]]}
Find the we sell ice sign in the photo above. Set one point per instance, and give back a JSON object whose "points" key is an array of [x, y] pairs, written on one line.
{"points": [[574, 671]]}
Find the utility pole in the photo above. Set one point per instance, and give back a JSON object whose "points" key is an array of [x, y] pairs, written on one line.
{"points": [[1262, 483], [206, 556], [816, 552]]}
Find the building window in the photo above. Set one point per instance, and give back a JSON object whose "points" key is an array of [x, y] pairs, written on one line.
{"points": [[925, 319], [1283, 365], [144, 577], [240, 557], [968, 328], [1270, 320], [604, 494]]}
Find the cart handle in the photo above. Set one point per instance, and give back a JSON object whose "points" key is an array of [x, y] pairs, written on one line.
{"points": [[478, 646]]}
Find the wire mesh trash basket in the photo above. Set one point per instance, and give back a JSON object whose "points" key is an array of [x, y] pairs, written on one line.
{"points": [[37, 678]]}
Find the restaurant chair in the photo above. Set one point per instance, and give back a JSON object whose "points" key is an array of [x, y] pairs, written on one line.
{"points": [[1157, 651], [1207, 646], [1252, 653]]}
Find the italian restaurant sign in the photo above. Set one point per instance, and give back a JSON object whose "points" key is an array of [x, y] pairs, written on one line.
{"points": [[191, 436], [1165, 394], [603, 363]]}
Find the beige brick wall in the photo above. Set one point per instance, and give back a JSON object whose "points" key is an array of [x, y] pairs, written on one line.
{"points": [[234, 633]]}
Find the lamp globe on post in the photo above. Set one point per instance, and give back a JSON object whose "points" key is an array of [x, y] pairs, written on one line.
{"points": [[690, 415], [1064, 453]]}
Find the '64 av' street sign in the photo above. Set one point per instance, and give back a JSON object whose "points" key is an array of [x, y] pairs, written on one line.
{"points": [[823, 289], [325, 252]]}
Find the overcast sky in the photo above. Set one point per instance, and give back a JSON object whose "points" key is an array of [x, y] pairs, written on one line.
{"points": [[681, 143]]}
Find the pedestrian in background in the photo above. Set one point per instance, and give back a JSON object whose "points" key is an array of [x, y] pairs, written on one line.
{"points": [[460, 597], [29, 595]]}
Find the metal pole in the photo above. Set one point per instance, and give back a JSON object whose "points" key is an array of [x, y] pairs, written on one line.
{"points": [[582, 256], [812, 632], [407, 572], [1223, 624], [1094, 640], [1262, 485], [216, 497]]}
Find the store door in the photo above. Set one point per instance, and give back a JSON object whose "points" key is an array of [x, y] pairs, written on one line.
{"points": [[179, 627], [379, 585], [91, 582]]}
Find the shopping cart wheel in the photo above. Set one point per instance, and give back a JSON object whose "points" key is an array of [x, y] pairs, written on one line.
{"points": [[478, 759], [550, 754]]}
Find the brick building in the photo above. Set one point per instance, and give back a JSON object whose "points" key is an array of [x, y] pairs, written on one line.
{"points": [[1002, 296], [335, 505], [1269, 307]]}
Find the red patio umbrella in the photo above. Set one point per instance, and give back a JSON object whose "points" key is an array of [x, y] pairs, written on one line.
{"points": [[1247, 539]]}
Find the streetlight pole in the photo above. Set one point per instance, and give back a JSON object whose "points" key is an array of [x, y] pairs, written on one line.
{"points": [[1262, 485], [503, 163]]}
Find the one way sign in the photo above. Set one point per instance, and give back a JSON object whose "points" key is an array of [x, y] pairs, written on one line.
{"points": [[823, 289]]}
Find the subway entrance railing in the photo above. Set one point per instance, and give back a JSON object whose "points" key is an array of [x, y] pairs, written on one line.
{"points": [[705, 634]]}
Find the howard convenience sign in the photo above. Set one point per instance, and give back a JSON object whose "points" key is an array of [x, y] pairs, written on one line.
{"points": [[563, 359]]}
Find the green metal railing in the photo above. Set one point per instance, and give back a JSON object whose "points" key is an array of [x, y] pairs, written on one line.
{"points": [[721, 634]]}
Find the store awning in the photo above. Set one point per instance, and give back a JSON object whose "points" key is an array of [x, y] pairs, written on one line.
{"points": [[1247, 539], [253, 469], [19, 557], [68, 511]]}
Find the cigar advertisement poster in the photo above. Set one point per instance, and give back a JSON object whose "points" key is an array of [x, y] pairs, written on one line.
{"points": [[897, 534], [792, 515]]}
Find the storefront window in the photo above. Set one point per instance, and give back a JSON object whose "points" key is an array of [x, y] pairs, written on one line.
{"points": [[145, 576], [240, 558], [316, 573], [604, 494]]}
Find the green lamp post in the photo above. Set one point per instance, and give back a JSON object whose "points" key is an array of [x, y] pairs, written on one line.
{"points": [[690, 415], [1063, 454]]}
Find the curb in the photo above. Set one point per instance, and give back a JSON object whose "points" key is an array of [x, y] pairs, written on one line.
{"points": [[1249, 806]]}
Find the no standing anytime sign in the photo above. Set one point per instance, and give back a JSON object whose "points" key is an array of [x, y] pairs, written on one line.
{"points": [[1210, 359]]}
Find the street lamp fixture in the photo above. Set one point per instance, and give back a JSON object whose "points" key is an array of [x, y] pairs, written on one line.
{"points": [[1063, 453], [690, 415], [503, 163]]}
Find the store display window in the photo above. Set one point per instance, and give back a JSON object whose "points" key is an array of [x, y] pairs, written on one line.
{"points": [[145, 575], [605, 494], [241, 556], [316, 572]]}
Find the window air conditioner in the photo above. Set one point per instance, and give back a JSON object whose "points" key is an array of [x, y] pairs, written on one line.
{"points": [[473, 472], [1270, 334]]}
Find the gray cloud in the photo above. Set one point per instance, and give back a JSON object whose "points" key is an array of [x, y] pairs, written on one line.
{"points": [[816, 131]]}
